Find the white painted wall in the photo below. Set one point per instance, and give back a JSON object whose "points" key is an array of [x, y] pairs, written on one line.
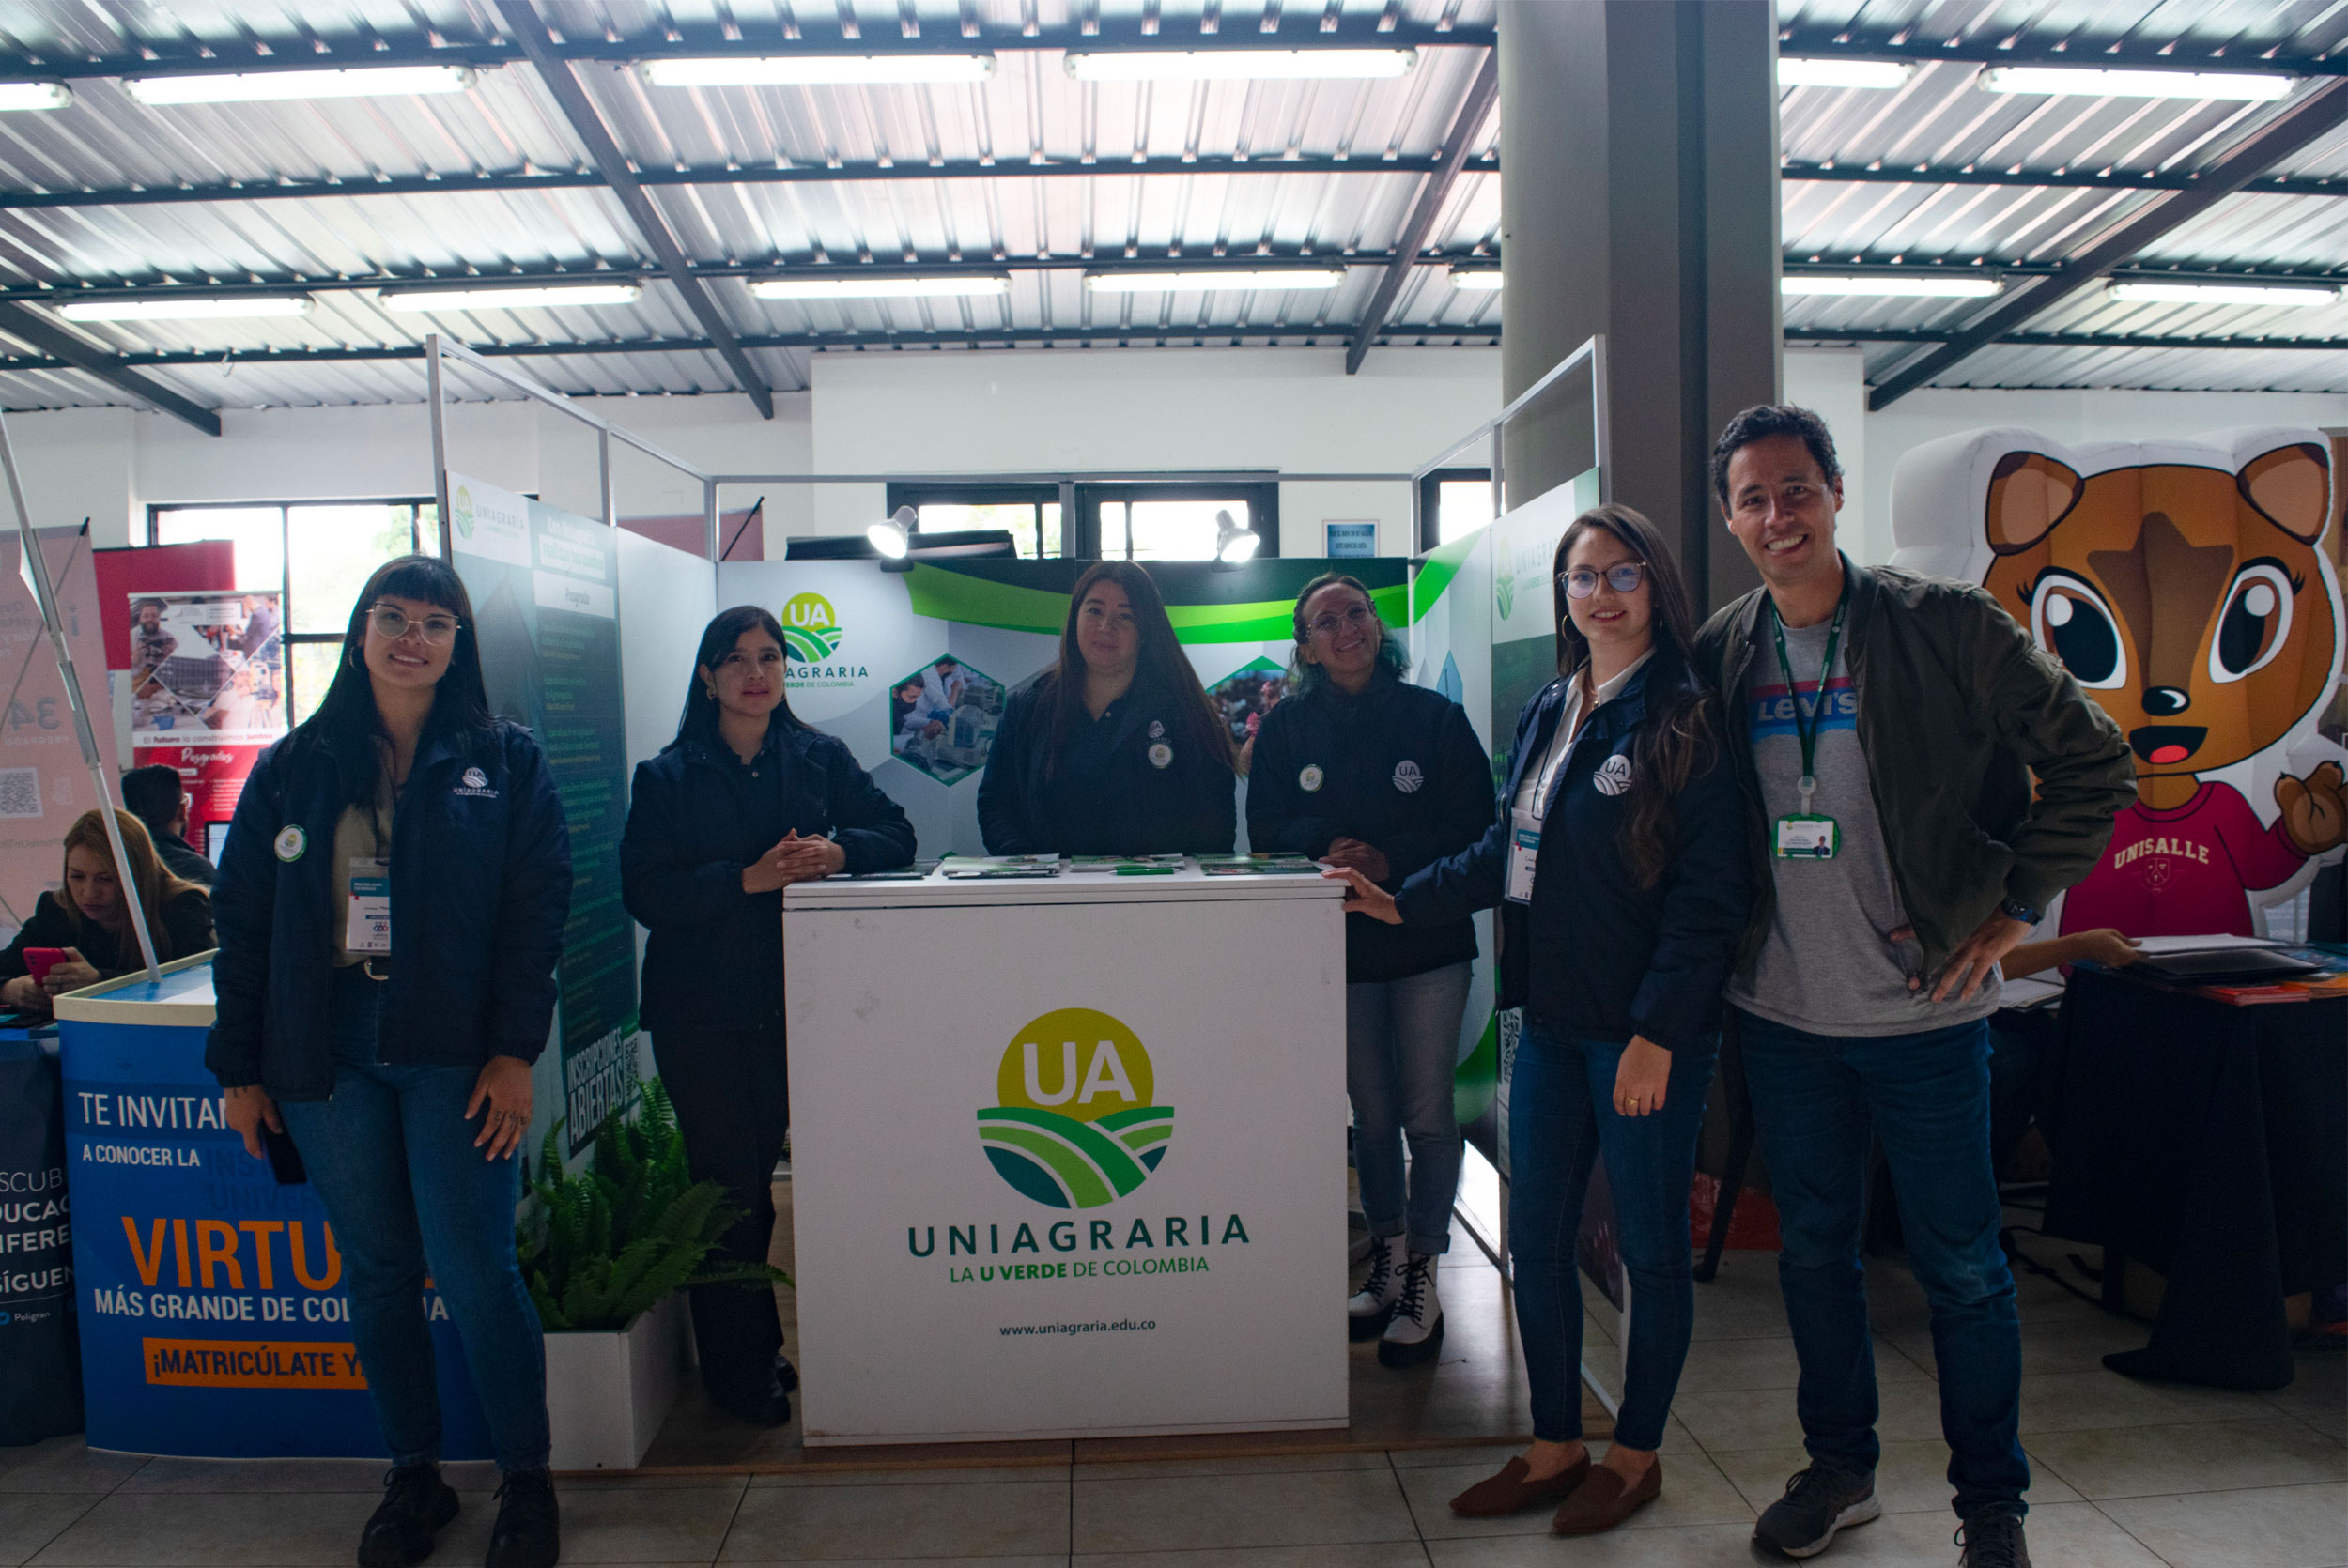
{"points": [[1831, 381], [1275, 409]]}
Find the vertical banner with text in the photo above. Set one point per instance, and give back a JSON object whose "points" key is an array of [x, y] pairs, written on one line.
{"points": [[544, 584]]}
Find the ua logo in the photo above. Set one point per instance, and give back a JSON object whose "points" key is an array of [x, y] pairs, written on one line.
{"points": [[476, 780], [1613, 775], [1407, 778]]}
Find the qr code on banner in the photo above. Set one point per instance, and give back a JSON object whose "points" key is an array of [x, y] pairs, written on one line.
{"points": [[19, 792]]}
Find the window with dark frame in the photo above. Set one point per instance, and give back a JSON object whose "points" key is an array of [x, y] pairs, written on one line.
{"points": [[1172, 520], [1452, 502], [316, 555], [1028, 512]]}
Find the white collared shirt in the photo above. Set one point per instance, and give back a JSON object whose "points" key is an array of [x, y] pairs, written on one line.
{"points": [[1538, 782]]}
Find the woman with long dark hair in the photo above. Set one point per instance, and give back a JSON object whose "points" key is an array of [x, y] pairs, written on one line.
{"points": [[1115, 749], [745, 801], [87, 916], [390, 905], [1359, 768], [1620, 869]]}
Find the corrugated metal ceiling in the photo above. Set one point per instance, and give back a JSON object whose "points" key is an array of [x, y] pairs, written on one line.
{"points": [[1031, 110]]}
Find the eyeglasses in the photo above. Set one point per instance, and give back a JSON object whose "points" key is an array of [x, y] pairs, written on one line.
{"points": [[1623, 577], [1326, 626], [392, 624]]}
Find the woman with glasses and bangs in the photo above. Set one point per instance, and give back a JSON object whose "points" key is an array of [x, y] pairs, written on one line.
{"points": [[1362, 770], [390, 909], [1619, 867]]}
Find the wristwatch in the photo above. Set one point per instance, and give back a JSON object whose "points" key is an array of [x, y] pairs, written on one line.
{"points": [[2014, 908]]}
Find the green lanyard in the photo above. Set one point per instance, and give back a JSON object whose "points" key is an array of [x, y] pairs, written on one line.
{"points": [[1807, 721]]}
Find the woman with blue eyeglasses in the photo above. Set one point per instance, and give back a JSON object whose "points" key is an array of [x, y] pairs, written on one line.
{"points": [[1620, 871]]}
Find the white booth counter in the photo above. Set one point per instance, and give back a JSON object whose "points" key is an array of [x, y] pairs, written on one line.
{"points": [[1066, 1155]]}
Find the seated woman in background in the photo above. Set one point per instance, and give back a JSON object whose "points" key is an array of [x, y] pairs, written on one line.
{"points": [[88, 919], [1115, 749]]}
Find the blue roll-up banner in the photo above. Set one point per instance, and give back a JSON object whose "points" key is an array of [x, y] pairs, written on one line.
{"points": [[40, 1391], [214, 1316]]}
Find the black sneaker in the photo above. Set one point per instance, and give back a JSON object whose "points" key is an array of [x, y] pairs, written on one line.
{"points": [[528, 1532], [417, 1505], [1818, 1502], [1992, 1538], [787, 1376]]}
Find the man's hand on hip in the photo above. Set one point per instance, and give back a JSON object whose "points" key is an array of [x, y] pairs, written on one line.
{"points": [[1977, 955]]}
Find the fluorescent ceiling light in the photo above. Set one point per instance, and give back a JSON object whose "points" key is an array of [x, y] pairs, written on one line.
{"points": [[817, 71], [1475, 280], [880, 288], [260, 85], [34, 94], [413, 300], [1800, 70], [1240, 64], [2136, 84], [1153, 283], [1910, 285], [184, 309], [2220, 294]]}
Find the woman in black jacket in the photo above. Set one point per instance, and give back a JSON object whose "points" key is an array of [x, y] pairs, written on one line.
{"points": [[1115, 749], [390, 905], [89, 919], [744, 801], [1619, 866], [1362, 770]]}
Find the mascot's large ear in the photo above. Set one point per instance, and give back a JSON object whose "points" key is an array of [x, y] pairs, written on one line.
{"points": [[2290, 487], [2029, 494]]}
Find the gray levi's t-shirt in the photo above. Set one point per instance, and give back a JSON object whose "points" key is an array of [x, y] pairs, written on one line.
{"points": [[1829, 964]]}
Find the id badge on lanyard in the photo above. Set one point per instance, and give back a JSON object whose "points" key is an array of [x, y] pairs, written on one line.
{"points": [[1803, 834], [367, 926], [1524, 849]]}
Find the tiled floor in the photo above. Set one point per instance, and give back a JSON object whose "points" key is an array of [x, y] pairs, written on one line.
{"points": [[2128, 1475]]}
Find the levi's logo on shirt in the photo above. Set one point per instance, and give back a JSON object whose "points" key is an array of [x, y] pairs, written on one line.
{"points": [[1773, 712]]}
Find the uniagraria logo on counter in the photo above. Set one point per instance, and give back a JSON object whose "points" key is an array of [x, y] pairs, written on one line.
{"points": [[1074, 1126]]}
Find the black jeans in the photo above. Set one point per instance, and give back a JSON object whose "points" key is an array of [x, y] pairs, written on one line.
{"points": [[732, 1098]]}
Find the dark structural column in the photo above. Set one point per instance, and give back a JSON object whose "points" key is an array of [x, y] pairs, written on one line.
{"points": [[1641, 203]]}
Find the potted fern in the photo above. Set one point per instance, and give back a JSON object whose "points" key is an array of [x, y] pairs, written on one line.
{"points": [[605, 1252]]}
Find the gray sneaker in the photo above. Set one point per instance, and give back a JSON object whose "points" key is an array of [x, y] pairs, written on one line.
{"points": [[1818, 1502], [1992, 1538]]}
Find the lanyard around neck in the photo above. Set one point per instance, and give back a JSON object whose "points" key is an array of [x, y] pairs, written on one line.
{"points": [[1807, 721]]}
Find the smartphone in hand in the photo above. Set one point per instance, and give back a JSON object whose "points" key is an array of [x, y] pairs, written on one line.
{"points": [[39, 961]]}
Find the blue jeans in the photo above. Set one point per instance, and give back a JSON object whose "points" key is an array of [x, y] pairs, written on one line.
{"points": [[1561, 1118], [1815, 1100], [392, 1156], [1401, 1050]]}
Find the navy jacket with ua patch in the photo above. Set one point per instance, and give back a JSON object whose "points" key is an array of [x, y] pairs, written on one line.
{"points": [[481, 886], [697, 816], [1595, 955], [1187, 805], [1398, 767]]}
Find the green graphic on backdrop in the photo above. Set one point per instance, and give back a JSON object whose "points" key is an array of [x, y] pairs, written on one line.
{"points": [[1074, 1126], [810, 629], [1202, 603]]}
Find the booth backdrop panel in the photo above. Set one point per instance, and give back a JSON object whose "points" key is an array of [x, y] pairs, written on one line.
{"points": [[666, 597], [43, 782], [213, 1314], [947, 1287], [875, 655], [544, 584]]}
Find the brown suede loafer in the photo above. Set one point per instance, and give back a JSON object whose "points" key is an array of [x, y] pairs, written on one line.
{"points": [[1603, 1501], [1509, 1492]]}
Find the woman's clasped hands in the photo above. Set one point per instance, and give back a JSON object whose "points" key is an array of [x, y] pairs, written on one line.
{"points": [[792, 859]]}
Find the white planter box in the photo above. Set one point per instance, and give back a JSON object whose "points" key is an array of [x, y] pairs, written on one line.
{"points": [[607, 1392]]}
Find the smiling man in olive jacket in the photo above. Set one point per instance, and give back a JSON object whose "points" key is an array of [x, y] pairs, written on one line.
{"points": [[1887, 728]]}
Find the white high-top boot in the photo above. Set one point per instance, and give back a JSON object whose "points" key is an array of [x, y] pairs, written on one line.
{"points": [[1367, 1309], [1415, 1332]]}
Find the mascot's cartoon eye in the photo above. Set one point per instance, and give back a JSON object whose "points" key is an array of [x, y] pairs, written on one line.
{"points": [[2256, 620], [2067, 617]]}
